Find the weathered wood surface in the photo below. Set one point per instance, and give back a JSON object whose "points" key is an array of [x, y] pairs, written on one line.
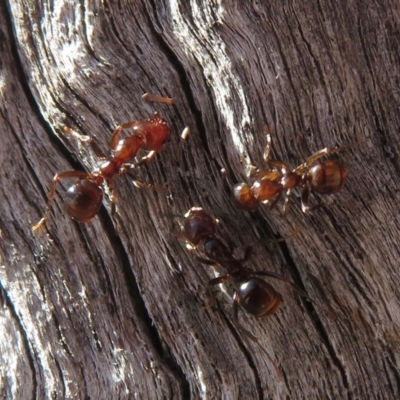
{"points": [[89, 312]]}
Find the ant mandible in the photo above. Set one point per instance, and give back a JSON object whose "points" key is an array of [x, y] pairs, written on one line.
{"points": [[84, 198], [268, 185], [253, 294]]}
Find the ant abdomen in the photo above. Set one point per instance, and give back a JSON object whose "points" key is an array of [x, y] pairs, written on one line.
{"points": [[258, 297], [327, 177], [83, 200]]}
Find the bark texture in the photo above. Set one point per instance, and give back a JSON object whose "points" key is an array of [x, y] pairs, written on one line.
{"points": [[91, 312]]}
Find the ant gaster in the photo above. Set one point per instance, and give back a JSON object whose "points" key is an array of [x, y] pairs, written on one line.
{"points": [[253, 294], [84, 198], [268, 185]]}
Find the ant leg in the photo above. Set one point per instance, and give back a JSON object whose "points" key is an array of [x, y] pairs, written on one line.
{"points": [[278, 164], [247, 254], [146, 185], [219, 280], [282, 278], [282, 239], [115, 136], [316, 156], [113, 198], [321, 153], [56, 179], [157, 98], [304, 200], [239, 327], [268, 147], [207, 262], [76, 135], [286, 204], [275, 201], [86, 139], [272, 275], [250, 168], [225, 180], [184, 135], [145, 159], [213, 282], [249, 335], [307, 209], [267, 153]]}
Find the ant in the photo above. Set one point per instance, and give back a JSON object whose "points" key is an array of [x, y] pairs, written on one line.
{"points": [[84, 198], [268, 185], [253, 294]]}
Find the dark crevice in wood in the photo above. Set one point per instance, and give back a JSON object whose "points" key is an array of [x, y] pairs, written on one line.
{"points": [[117, 34], [263, 228], [328, 54], [60, 336], [392, 365], [3, 39], [370, 102], [286, 68], [96, 258], [83, 102], [287, 384], [24, 338], [382, 135], [33, 176], [140, 308], [185, 85], [317, 66], [128, 49], [35, 272], [31, 100], [246, 352], [90, 50], [314, 317], [353, 274], [86, 385], [61, 377]]}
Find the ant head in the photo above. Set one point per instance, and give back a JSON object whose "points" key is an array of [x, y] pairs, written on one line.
{"points": [[243, 197], [155, 132], [198, 225]]}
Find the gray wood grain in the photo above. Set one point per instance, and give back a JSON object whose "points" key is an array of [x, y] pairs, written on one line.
{"points": [[89, 311]]}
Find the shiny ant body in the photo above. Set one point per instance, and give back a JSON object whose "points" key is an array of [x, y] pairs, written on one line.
{"points": [[268, 185], [84, 198], [253, 294]]}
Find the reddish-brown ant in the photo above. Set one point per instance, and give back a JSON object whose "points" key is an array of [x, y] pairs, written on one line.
{"points": [[253, 294], [84, 198], [268, 185]]}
